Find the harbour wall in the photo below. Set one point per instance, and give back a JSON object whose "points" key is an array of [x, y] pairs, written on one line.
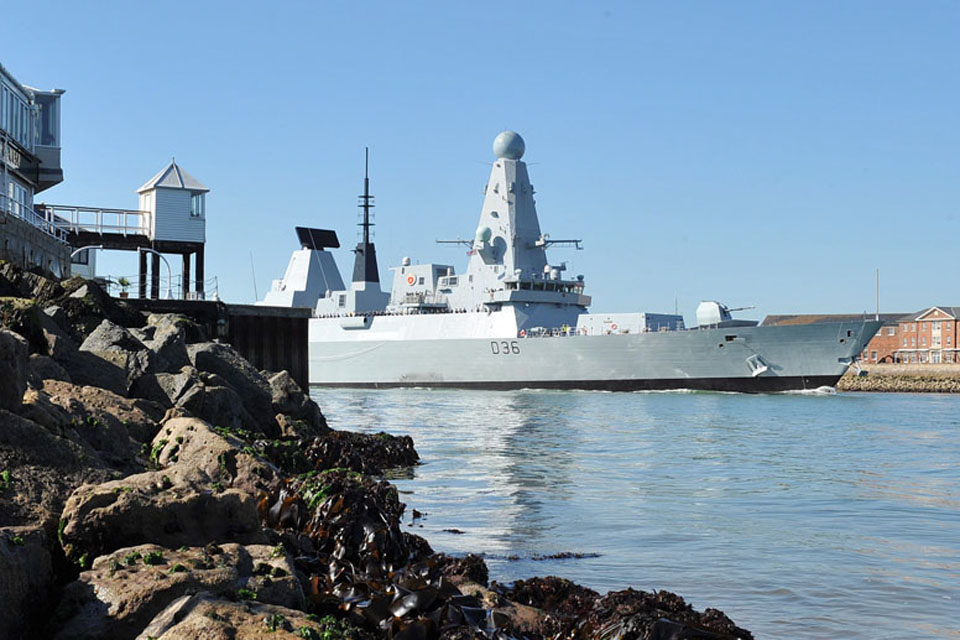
{"points": [[27, 246], [918, 378]]}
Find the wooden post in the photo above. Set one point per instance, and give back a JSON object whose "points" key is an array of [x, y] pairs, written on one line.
{"points": [[142, 284], [154, 276], [186, 276]]}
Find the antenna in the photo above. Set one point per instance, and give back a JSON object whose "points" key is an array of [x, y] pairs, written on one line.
{"points": [[366, 200], [878, 294]]}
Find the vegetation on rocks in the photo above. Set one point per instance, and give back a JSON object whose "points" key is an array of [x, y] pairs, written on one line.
{"points": [[153, 484]]}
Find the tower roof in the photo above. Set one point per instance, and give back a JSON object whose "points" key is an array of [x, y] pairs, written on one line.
{"points": [[173, 177]]}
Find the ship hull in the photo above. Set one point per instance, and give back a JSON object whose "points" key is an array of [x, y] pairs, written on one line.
{"points": [[744, 359]]}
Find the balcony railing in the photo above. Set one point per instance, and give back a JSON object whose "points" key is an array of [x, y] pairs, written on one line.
{"points": [[48, 225], [97, 220]]}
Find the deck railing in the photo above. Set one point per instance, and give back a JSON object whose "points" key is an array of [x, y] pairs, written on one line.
{"points": [[43, 223], [98, 220]]}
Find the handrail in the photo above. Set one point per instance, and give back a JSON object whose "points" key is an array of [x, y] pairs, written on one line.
{"points": [[44, 223], [98, 219], [173, 289]]}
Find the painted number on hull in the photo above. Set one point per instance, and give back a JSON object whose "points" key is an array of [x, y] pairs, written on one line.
{"points": [[504, 347]]}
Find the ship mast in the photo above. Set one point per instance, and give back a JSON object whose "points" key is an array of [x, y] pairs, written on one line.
{"points": [[365, 263], [366, 199]]}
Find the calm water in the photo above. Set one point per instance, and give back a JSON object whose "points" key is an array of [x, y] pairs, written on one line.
{"points": [[814, 516]]}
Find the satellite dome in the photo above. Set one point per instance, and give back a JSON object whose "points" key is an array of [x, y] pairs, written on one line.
{"points": [[484, 234], [509, 145]]}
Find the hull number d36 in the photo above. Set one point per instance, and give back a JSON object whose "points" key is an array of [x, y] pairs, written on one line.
{"points": [[504, 347]]}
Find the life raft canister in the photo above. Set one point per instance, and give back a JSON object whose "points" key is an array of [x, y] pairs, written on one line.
{"points": [[411, 280]]}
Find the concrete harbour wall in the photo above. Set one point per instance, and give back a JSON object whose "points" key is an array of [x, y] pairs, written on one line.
{"points": [[27, 246]]}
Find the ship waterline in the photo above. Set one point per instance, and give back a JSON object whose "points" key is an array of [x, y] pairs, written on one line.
{"points": [[804, 357]]}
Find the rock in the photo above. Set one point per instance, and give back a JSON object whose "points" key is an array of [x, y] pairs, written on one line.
{"points": [[364, 453], [59, 343], [22, 316], [107, 370], [192, 332], [38, 408], [144, 508], [119, 346], [203, 492], [57, 314], [166, 388], [106, 421], [224, 361], [218, 405], [38, 470], [620, 614], [168, 337], [906, 381], [13, 369], [171, 349], [86, 305], [288, 399], [124, 591], [196, 394], [196, 454], [207, 617], [26, 574], [109, 336], [23, 283], [40, 368]]}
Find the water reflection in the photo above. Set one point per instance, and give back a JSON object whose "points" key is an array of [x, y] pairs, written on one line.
{"points": [[800, 516]]}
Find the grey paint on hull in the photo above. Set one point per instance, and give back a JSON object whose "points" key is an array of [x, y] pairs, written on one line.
{"points": [[795, 357]]}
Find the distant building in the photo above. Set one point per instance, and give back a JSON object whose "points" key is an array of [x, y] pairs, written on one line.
{"points": [[927, 337], [29, 164]]}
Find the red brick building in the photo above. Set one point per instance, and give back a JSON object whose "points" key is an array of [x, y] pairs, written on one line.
{"points": [[883, 346], [929, 336]]}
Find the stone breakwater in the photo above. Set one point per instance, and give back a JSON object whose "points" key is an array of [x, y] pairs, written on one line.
{"points": [[153, 484], [904, 379]]}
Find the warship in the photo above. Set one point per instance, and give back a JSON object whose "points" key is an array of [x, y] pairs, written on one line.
{"points": [[515, 320]]}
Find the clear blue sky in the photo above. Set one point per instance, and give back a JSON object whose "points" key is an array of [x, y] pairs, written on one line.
{"points": [[767, 153]]}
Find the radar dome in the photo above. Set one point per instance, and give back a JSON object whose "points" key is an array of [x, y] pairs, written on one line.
{"points": [[509, 145], [484, 234]]}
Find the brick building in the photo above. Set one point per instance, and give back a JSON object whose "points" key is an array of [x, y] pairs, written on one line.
{"points": [[929, 336]]}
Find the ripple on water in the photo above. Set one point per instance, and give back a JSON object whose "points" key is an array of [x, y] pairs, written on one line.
{"points": [[800, 515]]}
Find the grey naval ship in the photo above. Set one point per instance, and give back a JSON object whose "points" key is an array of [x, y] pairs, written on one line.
{"points": [[514, 320]]}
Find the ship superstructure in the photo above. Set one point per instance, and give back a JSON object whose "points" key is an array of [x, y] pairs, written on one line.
{"points": [[513, 319]]}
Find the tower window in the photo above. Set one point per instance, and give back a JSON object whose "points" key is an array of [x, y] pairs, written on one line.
{"points": [[196, 205]]}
